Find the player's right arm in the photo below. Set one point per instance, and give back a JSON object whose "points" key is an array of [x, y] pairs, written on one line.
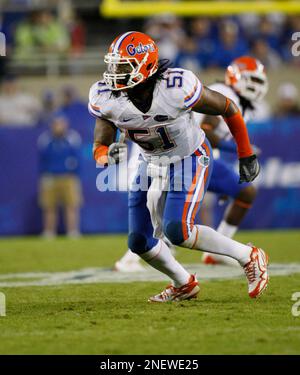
{"points": [[186, 92]]}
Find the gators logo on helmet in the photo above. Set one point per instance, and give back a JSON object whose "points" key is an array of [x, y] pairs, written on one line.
{"points": [[132, 58]]}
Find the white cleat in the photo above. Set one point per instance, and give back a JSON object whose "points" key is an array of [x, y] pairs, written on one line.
{"points": [[135, 266], [257, 272], [187, 291]]}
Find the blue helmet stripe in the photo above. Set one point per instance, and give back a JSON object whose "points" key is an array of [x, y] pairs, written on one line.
{"points": [[120, 40]]}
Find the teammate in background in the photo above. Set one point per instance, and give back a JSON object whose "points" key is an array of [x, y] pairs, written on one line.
{"points": [[246, 84], [155, 106]]}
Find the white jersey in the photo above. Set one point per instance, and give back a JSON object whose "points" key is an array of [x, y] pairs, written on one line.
{"points": [[169, 128], [260, 112]]}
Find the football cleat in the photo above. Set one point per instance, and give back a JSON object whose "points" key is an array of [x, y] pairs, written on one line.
{"points": [[214, 259], [172, 294], [257, 272], [135, 266]]}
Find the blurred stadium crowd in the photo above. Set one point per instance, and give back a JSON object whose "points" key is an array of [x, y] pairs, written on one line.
{"points": [[201, 43], [63, 38], [59, 37]]}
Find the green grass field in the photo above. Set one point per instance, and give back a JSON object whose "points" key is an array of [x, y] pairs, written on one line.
{"points": [[115, 318]]}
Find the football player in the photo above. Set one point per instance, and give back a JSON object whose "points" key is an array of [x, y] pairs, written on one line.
{"points": [[155, 105], [246, 84]]}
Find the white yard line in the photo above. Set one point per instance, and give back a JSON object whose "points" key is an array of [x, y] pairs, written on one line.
{"points": [[104, 275]]}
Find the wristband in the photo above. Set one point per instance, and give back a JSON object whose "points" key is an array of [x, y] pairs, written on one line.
{"points": [[100, 155]]}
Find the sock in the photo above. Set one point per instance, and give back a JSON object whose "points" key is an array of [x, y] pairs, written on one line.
{"points": [[170, 245], [160, 258], [207, 239], [129, 257], [226, 229]]}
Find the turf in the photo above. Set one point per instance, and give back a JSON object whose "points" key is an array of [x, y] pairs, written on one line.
{"points": [[116, 319]]}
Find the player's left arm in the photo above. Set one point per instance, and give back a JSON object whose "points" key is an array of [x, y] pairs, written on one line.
{"points": [[106, 150], [213, 103]]}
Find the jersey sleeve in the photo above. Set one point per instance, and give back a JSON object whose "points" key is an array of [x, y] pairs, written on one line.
{"points": [[191, 89], [97, 99], [183, 89]]}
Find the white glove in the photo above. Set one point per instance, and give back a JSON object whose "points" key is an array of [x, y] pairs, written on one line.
{"points": [[117, 152]]}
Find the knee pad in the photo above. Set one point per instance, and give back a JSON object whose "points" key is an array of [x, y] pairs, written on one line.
{"points": [[140, 244], [137, 243], [173, 232]]}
